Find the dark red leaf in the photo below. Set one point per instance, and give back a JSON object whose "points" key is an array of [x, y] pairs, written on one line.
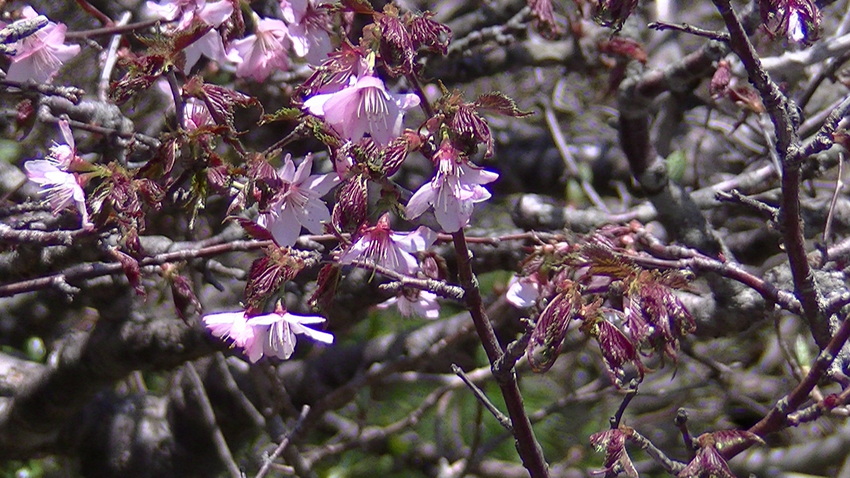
{"points": [[131, 269], [499, 103], [326, 285], [549, 332], [351, 207], [613, 13], [433, 36], [253, 229], [720, 80], [625, 47], [267, 274], [613, 443]]}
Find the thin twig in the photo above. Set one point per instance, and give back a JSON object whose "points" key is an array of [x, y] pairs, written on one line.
{"points": [[839, 184], [209, 417], [284, 442], [783, 115], [115, 29], [777, 418], [482, 397], [70, 93], [631, 393], [440, 288], [98, 269], [569, 160], [670, 466], [690, 29], [111, 59], [762, 208]]}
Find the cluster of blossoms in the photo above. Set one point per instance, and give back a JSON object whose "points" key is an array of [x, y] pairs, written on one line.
{"points": [[304, 30], [346, 94]]}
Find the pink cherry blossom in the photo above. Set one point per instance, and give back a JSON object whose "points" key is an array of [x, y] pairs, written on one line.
{"points": [[196, 114], [381, 246], [364, 107], [59, 186], [453, 190], [269, 334], [62, 154], [185, 12], [279, 337], [298, 203], [414, 302], [39, 56], [262, 53], [308, 29], [234, 326], [523, 291]]}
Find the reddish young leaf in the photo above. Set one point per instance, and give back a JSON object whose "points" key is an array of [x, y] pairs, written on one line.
{"points": [[549, 332], [469, 130], [142, 73], [393, 155], [220, 101], [612, 442], [747, 98], [326, 285], [617, 350], [182, 293], [544, 19], [613, 13], [25, 116], [131, 269], [267, 274], [335, 72], [708, 463], [721, 79], [499, 103], [433, 36], [397, 49], [624, 47], [352, 203], [253, 229]]}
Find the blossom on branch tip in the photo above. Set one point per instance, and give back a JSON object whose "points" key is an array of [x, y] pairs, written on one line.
{"points": [[453, 191], [394, 250], [260, 54], [269, 334], [363, 107], [298, 202], [39, 56]]}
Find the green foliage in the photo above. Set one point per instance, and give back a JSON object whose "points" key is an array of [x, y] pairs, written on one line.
{"points": [[677, 163]]}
